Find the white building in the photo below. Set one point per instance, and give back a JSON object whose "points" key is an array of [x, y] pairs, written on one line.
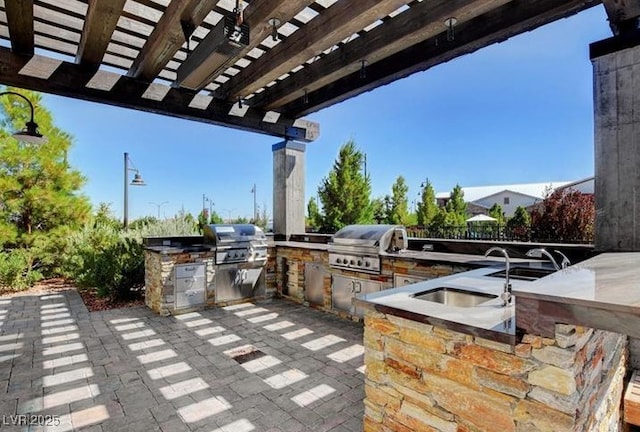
{"points": [[481, 198]]}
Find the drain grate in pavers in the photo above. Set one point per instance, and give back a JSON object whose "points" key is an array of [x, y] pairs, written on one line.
{"points": [[245, 353]]}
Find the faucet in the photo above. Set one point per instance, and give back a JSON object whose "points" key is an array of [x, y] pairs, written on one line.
{"points": [[538, 252], [565, 261], [506, 294]]}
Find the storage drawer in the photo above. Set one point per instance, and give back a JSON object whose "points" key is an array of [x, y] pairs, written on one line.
{"points": [[190, 292], [189, 270]]}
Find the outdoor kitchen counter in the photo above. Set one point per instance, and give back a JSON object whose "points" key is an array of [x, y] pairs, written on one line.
{"points": [[409, 255], [602, 292], [489, 320]]}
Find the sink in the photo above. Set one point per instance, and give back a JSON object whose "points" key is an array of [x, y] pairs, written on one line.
{"points": [[524, 273], [454, 297]]}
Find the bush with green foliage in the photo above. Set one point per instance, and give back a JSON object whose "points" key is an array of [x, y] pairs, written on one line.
{"points": [[16, 270]]}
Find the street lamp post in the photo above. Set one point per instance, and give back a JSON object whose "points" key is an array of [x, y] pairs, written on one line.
{"points": [[255, 215], [229, 212], [159, 205], [137, 181], [30, 133]]}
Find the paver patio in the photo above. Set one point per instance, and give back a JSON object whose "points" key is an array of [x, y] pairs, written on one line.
{"points": [[273, 366]]}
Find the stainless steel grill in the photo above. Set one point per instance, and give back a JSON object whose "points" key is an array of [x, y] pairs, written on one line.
{"points": [[237, 243], [358, 247], [241, 255]]}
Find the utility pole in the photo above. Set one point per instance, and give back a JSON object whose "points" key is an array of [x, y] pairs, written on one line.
{"points": [[253, 191]]}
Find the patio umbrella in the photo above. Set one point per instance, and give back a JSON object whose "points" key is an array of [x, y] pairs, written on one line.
{"points": [[481, 218]]}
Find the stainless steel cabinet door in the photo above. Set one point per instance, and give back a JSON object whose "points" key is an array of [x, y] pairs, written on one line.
{"points": [[233, 283], [314, 283], [341, 292], [362, 287]]}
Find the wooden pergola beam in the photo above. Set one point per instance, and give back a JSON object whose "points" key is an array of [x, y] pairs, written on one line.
{"points": [[99, 24], [335, 24], [623, 15], [71, 80], [20, 22], [167, 36], [203, 62], [420, 22], [514, 18]]}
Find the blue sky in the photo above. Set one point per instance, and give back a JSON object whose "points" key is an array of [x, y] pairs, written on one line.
{"points": [[516, 112]]}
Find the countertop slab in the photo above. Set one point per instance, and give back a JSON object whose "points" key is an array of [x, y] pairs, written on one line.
{"points": [[595, 291], [609, 281]]}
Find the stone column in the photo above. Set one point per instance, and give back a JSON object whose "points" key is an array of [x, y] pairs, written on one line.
{"points": [[288, 188], [616, 65]]}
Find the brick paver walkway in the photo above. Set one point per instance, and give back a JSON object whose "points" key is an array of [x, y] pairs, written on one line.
{"points": [[272, 366]]}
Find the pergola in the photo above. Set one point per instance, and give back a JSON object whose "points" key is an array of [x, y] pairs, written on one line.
{"points": [[262, 65], [259, 70]]}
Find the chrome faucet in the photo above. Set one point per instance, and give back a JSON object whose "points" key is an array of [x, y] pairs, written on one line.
{"points": [[538, 252], [506, 294], [565, 261]]}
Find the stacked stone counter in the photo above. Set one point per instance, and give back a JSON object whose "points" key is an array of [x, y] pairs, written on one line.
{"points": [[424, 378], [159, 278]]}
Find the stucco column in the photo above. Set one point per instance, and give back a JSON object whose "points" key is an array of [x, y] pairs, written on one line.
{"points": [[616, 66], [288, 188]]}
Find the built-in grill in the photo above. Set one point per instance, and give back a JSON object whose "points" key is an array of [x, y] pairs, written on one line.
{"points": [[358, 247], [237, 243], [240, 258]]}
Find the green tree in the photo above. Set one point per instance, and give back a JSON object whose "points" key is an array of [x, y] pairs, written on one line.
{"points": [[519, 224], [215, 218], [399, 205], [203, 219], [378, 210], [497, 213], [314, 217], [345, 192], [427, 207], [40, 195]]}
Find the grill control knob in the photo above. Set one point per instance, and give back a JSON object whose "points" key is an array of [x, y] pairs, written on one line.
{"points": [[339, 261], [359, 262], [367, 264], [352, 262]]}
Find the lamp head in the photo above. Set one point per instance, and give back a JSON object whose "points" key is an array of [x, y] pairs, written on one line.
{"points": [[30, 134], [137, 180]]}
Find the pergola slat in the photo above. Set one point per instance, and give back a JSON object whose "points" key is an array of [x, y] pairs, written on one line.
{"points": [[422, 21], [167, 36], [336, 23], [495, 26], [70, 80], [20, 23], [100, 22], [204, 62]]}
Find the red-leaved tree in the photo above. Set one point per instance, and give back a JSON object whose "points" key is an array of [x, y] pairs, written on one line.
{"points": [[564, 216]]}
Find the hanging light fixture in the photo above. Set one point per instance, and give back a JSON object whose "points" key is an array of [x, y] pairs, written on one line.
{"points": [[274, 23], [30, 133], [450, 23], [363, 69]]}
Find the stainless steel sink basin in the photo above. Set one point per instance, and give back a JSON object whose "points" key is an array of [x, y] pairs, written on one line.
{"points": [[454, 297], [524, 273]]}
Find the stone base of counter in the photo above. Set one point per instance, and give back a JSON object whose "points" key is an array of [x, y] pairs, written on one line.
{"points": [[424, 378], [160, 281], [287, 267]]}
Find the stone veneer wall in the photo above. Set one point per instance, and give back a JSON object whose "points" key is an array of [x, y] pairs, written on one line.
{"points": [[158, 278], [288, 267], [424, 378]]}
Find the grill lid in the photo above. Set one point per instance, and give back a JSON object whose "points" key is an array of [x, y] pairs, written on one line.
{"points": [[225, 234], [380, 238]]}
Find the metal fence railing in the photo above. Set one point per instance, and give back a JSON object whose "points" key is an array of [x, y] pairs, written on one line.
{"points": [[498, 233]]}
